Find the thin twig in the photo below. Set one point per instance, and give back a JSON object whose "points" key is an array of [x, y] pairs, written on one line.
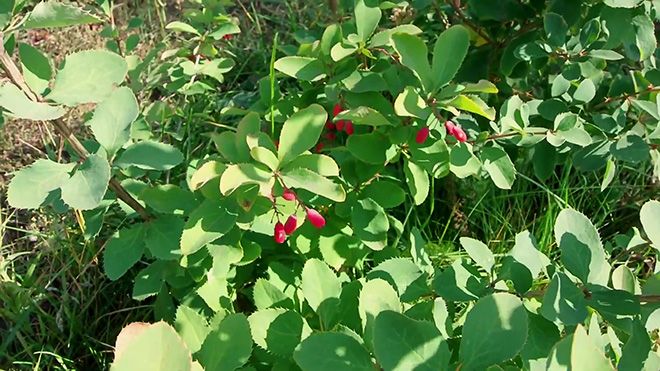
{"points": [[63, 129]]}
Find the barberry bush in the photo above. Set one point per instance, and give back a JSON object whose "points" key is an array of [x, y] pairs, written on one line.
{"points": [[289, 245]]}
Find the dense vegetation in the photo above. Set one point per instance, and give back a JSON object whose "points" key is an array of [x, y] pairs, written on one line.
{"points": [[395, 185]]}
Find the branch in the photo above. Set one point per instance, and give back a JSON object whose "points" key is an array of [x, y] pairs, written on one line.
{"points": [[607, 101], [456, 5], [63, 129]]}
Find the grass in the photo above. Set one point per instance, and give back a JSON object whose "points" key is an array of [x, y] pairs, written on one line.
{"points": [[59, 310]]}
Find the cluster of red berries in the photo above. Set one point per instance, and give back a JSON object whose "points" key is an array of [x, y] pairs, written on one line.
{"points": [[452, 129], [456, 131], [332, 128], [291, 224]]}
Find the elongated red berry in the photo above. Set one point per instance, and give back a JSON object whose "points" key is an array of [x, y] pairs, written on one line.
{"points": [[280, 234], [349, 129], [451, 128], [340, 125], [422, 135], [460, 135], [228, 37], [330, 125], [319, 147], [331, 136], [336, 110], [290, 225], [289, 195], [315, 218]]}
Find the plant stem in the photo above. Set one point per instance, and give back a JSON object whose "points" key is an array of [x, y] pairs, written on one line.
{"points": [[64, 131]]}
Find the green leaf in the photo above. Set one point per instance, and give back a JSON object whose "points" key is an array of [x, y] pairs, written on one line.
{"points": [[320, 164], [364, 116], [88, 77], [229, 346], [112, 119], [331, 351], [285, 332], [410, 104], [150, 155], [169, 199], [432, 156], [498, 165], [87, 186], [443, 317], [608, 55], [361, 81], [30, 186], [266, 295], [36, 67], [474, 104], [6, 12], [163, 236], [495, 330], [581, 249], [302, 68], [585, 92], [556, 28], [315, 183], [148, 347], [192, 327], [370, 148], [149, 280], [525, 252], [404, 275], [301, 132], [418, 251], [418, 182], [636, 350], [382, 38], [387, 194], [414, 55], [541, 337], [122, 251], [52, 14], [13, 100], [585, 355], [450, 50], [479, 252], [375, 297], [265, 156], [210, 221], [321, 289], [463, 163], [631, 148], [650, 216], [402, 344], [237, 175], [366, 19], [623, 3], [610, 172], [459, 282], [370, 223], [182, 27], [563, 302]]}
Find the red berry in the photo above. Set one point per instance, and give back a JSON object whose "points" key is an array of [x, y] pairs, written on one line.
{"points": [[336, 110], [340, 125], [315, 218], [349, 129], [289, 195], [228, 37], [460, 135], [330, 125], [451, 128], [280, 234], [290, 225], [422, 135], [330, 136], [319, 147]]}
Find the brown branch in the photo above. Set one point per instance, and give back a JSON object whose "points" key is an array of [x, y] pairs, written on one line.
{"points": [[456, 5], [63, 129], [607, 101]]}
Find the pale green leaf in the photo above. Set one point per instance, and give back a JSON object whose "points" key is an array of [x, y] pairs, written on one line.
{"points": [[86, 188], [418, 182], [150, 155], [192, 326], [229, 346], [122, 251], [52, 14], [370, 223], [650, 218], [210, 221], [366, 19], [450, 50], [479, 252], [36, 67], [332, 351], [13, 100], [414, 55], [30, 186], [112, 119], [301, 132], [88, 77], [302, 68], [498, 165]]}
